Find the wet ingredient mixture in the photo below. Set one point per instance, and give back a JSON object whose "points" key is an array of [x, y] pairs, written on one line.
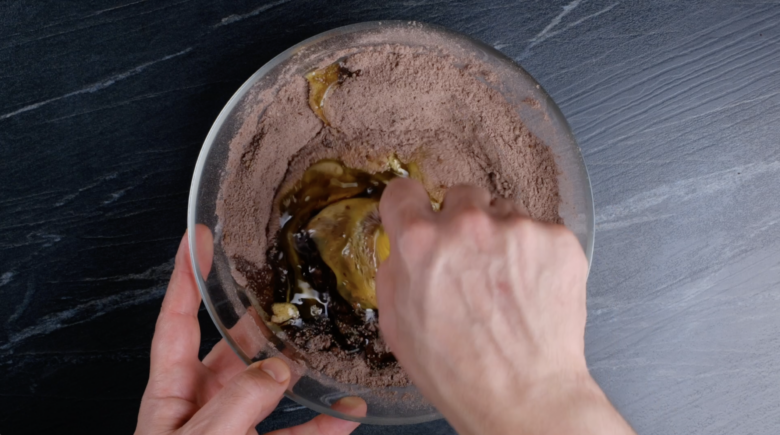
{"points": [[325, 261]]}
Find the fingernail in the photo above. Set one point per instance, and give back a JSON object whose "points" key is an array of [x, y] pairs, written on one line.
{"points": [[354, 406], [351, 402], [275, 368]]}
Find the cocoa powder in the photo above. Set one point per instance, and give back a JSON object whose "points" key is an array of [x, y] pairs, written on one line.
{"points": [[421, 106]]}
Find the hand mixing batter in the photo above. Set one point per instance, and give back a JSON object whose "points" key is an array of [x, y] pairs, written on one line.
{"points": [[299, 200], [483, 306]]}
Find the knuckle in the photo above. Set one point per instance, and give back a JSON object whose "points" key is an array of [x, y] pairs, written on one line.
{"points": [[464, 193], [418, 233], [419, 227], [518, 222], [471, 217], [415, 221], [524, 227], [252, 383]]}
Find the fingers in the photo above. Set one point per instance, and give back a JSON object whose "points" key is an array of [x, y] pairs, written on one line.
{"points": [[462, 196], [246, 400], [403, 201], [501, 208], [223, 362], [177, 334], [327, 425], [204, 242], [404, 205]]}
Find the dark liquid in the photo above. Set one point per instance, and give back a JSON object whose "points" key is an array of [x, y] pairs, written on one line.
{"points": [[296, 264]]}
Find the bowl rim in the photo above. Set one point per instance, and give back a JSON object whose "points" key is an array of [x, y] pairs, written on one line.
{"points": [[234, 100]]}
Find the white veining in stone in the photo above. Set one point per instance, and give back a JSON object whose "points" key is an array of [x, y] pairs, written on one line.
{"points": [[93, 309], [230, 19], [622, 214], [548, 31], [83, 313], [6, 277], [95, 87], [71, 196]]}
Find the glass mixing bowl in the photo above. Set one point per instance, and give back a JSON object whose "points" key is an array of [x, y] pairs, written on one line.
{"points": [[240, 319]]}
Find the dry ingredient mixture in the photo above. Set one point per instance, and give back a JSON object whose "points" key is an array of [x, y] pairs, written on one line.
{"points": [[314, 166]]}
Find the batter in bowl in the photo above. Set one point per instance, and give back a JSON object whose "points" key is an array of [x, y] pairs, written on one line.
{"points": [[382, 112]]}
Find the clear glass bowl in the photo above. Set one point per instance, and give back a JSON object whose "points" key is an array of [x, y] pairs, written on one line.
{"points": [[232, 308]]}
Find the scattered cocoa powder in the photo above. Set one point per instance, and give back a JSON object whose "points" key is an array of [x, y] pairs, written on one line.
{"points": [[422, 106]]}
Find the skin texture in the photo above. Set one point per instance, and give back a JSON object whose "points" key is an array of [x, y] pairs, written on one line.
{"points": [[219, 395], [485, 310], [483, 307]]}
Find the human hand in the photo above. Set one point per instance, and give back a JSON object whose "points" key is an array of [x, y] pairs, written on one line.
{"points": [[485, 310], [219, 395]]}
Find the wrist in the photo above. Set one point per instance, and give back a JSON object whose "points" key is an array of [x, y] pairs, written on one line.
{"points": [[567, 403], [570, 402]]}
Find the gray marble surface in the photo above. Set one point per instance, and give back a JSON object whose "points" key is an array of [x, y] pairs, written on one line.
{"points": [[676, 105]]}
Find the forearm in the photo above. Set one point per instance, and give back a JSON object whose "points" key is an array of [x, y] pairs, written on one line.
{"points": [[557, 407], [580, 408]]}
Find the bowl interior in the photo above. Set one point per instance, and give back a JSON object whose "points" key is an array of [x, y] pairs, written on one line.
{"points": [[233, 309]]}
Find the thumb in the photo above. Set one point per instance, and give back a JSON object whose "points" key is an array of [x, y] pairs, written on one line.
{"points": [[248, 398]]}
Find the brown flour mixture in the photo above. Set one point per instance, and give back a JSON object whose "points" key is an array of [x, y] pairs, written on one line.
{"points": [[423, 107]]}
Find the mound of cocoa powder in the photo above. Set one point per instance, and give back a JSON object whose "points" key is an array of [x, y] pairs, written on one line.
{"points": [[421, 106]]}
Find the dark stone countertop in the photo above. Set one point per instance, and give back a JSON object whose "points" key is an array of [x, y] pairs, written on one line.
{"points": [[104, 106]]}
